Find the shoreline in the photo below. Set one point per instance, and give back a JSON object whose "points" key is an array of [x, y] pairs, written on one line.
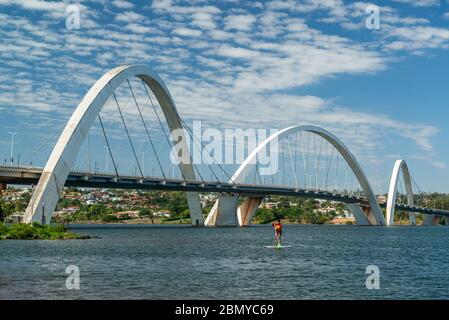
{"points": [[173, 223]]}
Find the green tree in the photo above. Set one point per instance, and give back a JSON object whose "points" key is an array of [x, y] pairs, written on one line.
{"points": [[144, 212]]}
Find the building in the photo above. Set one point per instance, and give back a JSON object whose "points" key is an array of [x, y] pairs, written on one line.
{"points": [[162, 213], [70, 210], [125, 214]]}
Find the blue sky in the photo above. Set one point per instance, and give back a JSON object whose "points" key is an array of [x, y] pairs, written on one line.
{"points": [[243, 64]]}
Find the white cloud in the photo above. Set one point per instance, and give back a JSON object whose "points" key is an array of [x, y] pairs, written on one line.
{"points": [[234, 52], [122, 4], [161, 4], [129, 16], [139, 28], [419, 37], [204, 20], [239, 22], [187, 32], [439, 164], [420, 3], [38, 5]]}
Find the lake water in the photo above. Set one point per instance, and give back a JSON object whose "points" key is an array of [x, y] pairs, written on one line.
{"points": [[145, 262]]}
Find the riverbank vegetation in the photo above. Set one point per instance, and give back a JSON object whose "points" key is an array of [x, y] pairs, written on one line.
{"points": [[36, 231], [79, 205], [298, 210]]}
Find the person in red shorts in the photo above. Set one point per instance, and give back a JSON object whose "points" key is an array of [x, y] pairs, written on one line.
{"points": [[277, 231]]}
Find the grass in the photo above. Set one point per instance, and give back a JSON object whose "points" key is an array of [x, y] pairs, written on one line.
{"points": [[36, 231]]}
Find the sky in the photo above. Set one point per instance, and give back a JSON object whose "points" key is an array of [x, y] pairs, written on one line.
{"points": [[239, 64]]}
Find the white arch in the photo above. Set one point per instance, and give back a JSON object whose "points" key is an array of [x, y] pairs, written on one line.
{"points": [[55, 173], [246, 167], [392, 193]]}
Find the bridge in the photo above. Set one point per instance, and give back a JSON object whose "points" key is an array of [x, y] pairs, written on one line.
{"points": [[304, 161], [26, 175]]}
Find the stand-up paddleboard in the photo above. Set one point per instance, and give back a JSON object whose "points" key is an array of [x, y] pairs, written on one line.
{"points": [[277, 247]]}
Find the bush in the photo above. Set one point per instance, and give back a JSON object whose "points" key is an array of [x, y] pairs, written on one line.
{"points": [[35, 231], [21, 231], [3, 229], [109, 218]]}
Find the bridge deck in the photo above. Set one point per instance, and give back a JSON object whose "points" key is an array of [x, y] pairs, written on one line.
{"points": [[31, 175]]}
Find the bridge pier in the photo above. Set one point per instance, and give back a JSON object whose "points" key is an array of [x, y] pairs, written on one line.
{"points": [[224, 212], [247, 209], [227, 213], [196, 213], [361, 218], [3, 186], [434, 220], [430, 220]]}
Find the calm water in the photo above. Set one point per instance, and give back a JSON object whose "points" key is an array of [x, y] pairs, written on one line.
{"points": [[325, 262]]}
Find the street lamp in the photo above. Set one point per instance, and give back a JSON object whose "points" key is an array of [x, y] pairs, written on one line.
{"points": [[12, 146], [43, 214]]}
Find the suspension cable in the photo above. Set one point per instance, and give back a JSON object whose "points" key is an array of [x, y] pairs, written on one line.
{"points": [[212, 158], [401, 190], [146, 130], [296, 152], [283, 162], [107, 143], [304, 159], [43, 145], [200, 147], [95, 145], [293, 167], [347, 183], [318, 162], [195, 167], [418, 189], [336, 172], [329, 167], [127, 133], [255, 174], [271, 168], [162, 127], [258, 173]]}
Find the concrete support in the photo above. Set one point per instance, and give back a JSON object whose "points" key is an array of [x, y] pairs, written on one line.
{"points": [[212, 216], [430, 220], [196, 213], [224, 212], [360, 216], [247, 209]]}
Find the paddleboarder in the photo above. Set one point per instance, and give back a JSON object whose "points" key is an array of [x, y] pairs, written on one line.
{"points": [[277, 232]]}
